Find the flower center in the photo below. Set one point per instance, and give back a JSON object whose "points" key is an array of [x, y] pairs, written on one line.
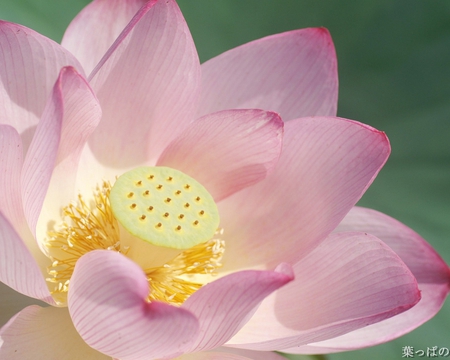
{"points": [[160, 205]]}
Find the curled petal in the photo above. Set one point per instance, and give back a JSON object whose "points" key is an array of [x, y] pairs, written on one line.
{"points": [[147, 84], [41, 157], [293, 73], [325, 166], [107, 304], [69, 117], [228, 150], [26, 80], [44, 333], [79, 114], [96, 27], [349, 281], [223, 306]]}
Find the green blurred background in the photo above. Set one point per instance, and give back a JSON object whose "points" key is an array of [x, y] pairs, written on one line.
{"points": [[394, 71]]}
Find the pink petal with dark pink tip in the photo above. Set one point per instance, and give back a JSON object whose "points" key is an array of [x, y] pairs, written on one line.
{"points": [[431, 272], [324, 168], [147, 85], [223, 306], [107, 303], [293, 73], [95, 28], [228, 150], [423, 261], [349, 281], [44, 333]]}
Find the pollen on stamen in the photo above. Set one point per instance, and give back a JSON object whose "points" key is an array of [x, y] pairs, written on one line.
{"points": [[94, 226], [171, 282], [87, 226]]}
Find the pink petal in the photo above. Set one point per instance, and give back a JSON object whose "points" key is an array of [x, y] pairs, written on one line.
{"points": [[384, 331], [147, 85], [423, 261], [29, 66], [96, 27], [349, 281], [18, 268], [10, 168], [44, 333], [10, 186], [427, 266], [72, 113], [108, 308], [293, 73], [223, 306], [325, 166], [227, 151], [41, 157], [81, 114]]}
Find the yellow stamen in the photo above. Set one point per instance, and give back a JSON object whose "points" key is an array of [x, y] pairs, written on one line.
{"points": [[171, 283], [89, 226]]}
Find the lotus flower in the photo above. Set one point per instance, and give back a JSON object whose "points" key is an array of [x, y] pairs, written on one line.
{"points": [[291, 265]]}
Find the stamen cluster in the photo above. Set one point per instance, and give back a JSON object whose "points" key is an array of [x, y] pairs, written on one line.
{"points": [[87, 227]]}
